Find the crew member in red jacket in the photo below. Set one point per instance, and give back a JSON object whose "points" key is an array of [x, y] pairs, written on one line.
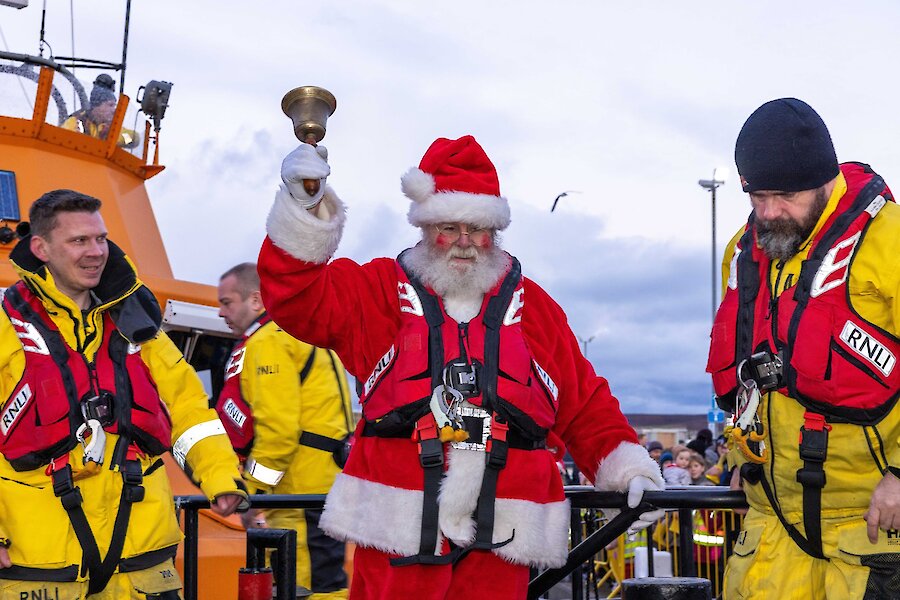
{"points": [[467, 367]]}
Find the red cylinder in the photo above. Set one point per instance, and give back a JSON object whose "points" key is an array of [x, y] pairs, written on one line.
{"points": [[255, 584]]}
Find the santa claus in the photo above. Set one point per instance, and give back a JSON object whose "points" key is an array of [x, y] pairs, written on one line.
{"points": [[470, 380]]}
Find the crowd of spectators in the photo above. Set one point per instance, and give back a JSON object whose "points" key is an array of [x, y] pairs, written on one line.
{"points": [[699, 462]]}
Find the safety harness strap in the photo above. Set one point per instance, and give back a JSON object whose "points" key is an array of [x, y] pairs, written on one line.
{"points": [[132, 491], [495, 460], [99, 571], [431, 457], [813, 451], [320, 442]]}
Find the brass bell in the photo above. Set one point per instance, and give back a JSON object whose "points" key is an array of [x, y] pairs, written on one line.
{"points": [[309, 108]]}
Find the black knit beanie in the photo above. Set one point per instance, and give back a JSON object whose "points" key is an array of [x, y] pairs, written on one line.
{"points": [[785, 146], [103, 90]]}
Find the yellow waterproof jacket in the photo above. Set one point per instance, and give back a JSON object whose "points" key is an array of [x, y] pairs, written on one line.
{"points": [[80, 122], [284, 407], [32, 518], [857, 456]]}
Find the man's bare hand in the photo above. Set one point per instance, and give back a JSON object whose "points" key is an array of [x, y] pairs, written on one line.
{"points": [[884, 508], [226, 504], [253, 518], [4, 558]]}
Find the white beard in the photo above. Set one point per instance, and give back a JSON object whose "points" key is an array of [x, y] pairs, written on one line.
{"points": [[460, 287]]}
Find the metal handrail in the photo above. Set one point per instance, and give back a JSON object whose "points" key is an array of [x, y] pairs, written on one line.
{"points": [[580, 497]]}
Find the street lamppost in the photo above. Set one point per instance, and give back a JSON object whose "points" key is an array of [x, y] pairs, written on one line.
{"points": [[720, 174], [585, 342]]}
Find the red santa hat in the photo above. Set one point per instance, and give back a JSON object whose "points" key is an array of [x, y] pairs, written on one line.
{"points": [[455, 182]]}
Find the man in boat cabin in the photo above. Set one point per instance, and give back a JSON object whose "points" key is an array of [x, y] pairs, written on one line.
{"points": [[470, 377], [804, 351], [94, 393], [286, 408], [95, 120]]}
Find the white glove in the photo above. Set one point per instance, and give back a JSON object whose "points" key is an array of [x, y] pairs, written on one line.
{"points": [[636, 488], [305, 162]]}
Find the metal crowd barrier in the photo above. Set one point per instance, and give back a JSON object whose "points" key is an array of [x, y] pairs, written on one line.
{"points": [[683, 500]]}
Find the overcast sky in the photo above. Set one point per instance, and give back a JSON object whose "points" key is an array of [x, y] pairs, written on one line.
{"points": [[628, 103]]}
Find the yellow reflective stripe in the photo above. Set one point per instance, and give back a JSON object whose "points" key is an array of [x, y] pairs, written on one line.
{"points": [[708, 540], [193, 435], [263, 473]]}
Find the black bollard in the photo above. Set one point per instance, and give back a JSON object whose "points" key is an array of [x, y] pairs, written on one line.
{"points": [[667, 588]]}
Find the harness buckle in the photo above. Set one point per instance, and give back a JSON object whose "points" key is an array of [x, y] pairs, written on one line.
{"points": [[814, 438], [463, 377], [64, 487], [764, 368], [133, 478], [431, 449], [497, 445], [99, 407]]}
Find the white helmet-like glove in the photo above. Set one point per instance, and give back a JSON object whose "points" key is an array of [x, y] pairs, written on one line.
{"points": [[307, 164], [636, 488]]}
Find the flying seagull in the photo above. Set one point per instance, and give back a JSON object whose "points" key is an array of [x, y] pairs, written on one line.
{"points": [[566, 193]]}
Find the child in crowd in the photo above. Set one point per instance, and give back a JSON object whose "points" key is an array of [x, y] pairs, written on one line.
{"points": [[697, 469], [665, 459], [677, 473]]}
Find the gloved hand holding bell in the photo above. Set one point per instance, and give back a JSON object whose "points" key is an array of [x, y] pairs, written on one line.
{"points": [[304, 171]]}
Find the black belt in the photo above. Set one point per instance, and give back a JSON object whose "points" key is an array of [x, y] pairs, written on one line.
{"points": [[515, 439]]}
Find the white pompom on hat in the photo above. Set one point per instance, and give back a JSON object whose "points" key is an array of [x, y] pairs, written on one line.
{"points": [[455, 182]]}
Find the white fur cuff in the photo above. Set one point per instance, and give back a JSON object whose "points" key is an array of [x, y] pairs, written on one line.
{"points": [[622, 464], [300, 234]]}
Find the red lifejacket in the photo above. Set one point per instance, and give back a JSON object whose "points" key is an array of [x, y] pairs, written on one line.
{"points": [[234, 411], [40, 418], [834, 362], [510, 383]]}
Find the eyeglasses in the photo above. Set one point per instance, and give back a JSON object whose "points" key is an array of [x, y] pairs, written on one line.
{"points": [[453, 231]]}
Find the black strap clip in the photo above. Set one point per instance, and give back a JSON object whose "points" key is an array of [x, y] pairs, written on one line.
{"points": [[132, 478], [431, 453], [813, 450], [64, 488], [814, 438]]}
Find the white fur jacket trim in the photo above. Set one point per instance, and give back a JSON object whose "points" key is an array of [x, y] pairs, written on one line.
{"points": [[390, 519], [301, 234]]}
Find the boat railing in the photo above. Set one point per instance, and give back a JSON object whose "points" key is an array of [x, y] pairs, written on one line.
{"points": [[591, 535]]}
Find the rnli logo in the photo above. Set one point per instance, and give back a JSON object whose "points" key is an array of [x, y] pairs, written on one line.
{"points": [[548, 382], [744, 184], [409, 299], [14, 409], [514, 311], [32, 340], [378, 372], [867, 347], [235, 363], [835, 266], [234, 413]]}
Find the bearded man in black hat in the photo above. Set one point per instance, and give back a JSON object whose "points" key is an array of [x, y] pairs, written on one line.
{"points": [[804, 347]]}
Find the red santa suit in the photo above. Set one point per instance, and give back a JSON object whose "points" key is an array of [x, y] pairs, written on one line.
{"points": [[536, 383]]}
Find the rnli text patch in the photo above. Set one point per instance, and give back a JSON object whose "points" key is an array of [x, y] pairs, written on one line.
{"points": [[14, 409], [867, 347]]}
